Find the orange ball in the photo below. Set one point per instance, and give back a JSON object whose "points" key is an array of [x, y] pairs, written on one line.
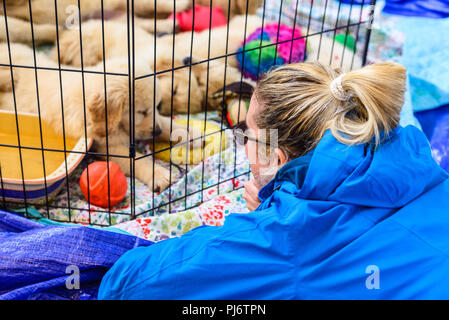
{"points": [[98, 184]]}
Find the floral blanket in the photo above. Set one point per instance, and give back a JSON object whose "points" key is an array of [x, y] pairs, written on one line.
{"points": [[193, 185], [164, 226]]}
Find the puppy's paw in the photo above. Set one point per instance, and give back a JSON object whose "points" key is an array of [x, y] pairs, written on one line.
{"points": [[161, 179]]}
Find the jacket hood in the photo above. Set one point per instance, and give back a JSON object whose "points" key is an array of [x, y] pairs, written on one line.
{"points": [[400, 169]]}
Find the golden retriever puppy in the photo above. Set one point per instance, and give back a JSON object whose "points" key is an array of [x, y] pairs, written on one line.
{"points": [[44, 22], [116, 35], [219, 75], [187, 95], [20, 31], [97, 102], [220, 71], [44, 10]]}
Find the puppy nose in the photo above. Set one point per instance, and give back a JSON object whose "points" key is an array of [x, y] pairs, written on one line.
{"points": [[157, 131], [187, 61], [159, 106]]}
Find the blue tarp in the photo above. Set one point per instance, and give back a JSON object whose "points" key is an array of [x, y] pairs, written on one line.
{"points": [[37, 260], [435, 124], [425, 25], [416, 8], [420, 8]]}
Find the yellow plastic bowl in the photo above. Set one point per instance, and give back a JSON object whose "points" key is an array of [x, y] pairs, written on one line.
{"points": [[179, 153], [37, 185]]}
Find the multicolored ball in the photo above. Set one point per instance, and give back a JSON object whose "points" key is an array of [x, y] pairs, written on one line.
{"points": [[271, 47]]}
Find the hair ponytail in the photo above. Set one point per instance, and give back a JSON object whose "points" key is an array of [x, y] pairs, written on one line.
{"points": [[376, 96], [304, 100]]}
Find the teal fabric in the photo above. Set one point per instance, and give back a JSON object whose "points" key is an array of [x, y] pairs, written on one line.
{"points": [[426, 57], [407, 113]]}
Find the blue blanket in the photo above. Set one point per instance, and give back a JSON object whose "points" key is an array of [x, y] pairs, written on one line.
{"points": [[435, 124], [42, 262], [416, 8]]}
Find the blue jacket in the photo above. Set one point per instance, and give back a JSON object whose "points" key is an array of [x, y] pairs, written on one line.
{"points": [[341, 223]]}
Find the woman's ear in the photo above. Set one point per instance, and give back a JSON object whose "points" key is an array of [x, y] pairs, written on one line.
{"points": [[281, 156]]}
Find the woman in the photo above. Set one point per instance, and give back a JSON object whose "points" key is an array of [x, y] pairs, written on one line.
{"points": [[345, 203]]}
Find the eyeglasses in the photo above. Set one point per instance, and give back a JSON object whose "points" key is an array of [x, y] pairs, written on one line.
{"points": [[240, 137]]}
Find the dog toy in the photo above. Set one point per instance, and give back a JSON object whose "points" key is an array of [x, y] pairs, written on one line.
{"points": [[206, 146], [202, 18], [97, 191], [348, 41], [235, 99], [260, 48]]}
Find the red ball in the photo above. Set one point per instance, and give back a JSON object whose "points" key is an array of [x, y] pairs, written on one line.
{"points": [[98, 184]]}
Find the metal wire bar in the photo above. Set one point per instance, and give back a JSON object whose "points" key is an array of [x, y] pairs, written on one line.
{"points": [[15, 109], [154, 98], [241, 84], [106, 109], [188, 99], [133, 112], [91, 153], [368, 32], [293, 33], [171, 103], [223, 102], [84, 109], [203, 142], [38, 105], [62, 105], [335, 33], [322, 30], [277, 33], [62, 69], [347, 31], [261, 40]]}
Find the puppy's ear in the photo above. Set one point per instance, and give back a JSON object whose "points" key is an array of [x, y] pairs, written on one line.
{"points": [[117, 99], [199, 69], [164, 63]]}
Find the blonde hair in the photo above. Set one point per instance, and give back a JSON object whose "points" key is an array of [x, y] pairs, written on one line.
{"points": [[297, 100]]}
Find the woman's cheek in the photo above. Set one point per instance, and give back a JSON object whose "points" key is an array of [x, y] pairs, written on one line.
{"points": [[251, 152]]}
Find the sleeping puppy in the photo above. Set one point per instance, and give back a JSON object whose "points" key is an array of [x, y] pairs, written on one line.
{"points": [[187, 95], [111, 136], [44, 10], [20, 31], [44, 22]]}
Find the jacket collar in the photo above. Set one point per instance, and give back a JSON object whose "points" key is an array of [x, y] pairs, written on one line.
{"points": [[399, 170]]}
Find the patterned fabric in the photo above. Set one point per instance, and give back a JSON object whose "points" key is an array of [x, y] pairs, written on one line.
{"points": [[214, 175], [212, 213]]}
